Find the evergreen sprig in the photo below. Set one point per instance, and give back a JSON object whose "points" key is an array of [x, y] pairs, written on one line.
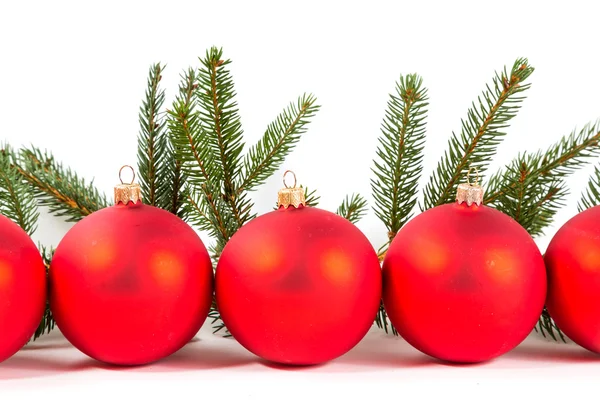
{"points": [[161, 176], [152, 140], [208, 137], [481, 133], [58, 187], [17, 200], [533, 187], [398, 165], [265, 157], [591, 196], [223, 128], [353, 208], [532, 199], [205, 205]]}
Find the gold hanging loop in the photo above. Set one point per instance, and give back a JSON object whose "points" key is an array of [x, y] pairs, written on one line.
{"points": [[476, 176], [132, 172], [285, 175]]}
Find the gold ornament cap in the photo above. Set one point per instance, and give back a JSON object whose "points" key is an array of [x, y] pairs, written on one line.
{"points": [[470, 193], [127, 192], [290, 196]]}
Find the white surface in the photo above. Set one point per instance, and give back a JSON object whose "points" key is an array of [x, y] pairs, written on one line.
{"points": [[72, 76], [379, 367]]}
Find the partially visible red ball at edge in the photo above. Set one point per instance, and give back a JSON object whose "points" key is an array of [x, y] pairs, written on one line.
{"points": [[130, 284], [22, 288], [463, 283], [298, 286], [573, 263]]}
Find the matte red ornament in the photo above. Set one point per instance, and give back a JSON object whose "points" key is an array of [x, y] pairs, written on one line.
{"points": [[464, 282], [573, 264], [22, 288], [298, 285], [130, 284]]}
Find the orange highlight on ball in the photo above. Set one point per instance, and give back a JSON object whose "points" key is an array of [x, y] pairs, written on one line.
{"points": [[337, 266], [433, 254], [101, 254], [166, 268], [5, 274], [588, 254], [268, 259], [500, 264]]}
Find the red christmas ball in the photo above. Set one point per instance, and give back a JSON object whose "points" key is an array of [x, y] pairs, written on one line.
{"points": [[130, 284], [298, 286], [573, 265], [22, 288], [463, 283]]}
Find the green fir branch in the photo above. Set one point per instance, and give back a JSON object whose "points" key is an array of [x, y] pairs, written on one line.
{"points": [[221, 122], [353, 208], [533, 187], [189, 138], [481, 133], [58, 187], [282, 135], [161, 176], [197, 164], [398, 165], [17, 200], [47, 324], [591, 196], [153, 144], [532, 199]]}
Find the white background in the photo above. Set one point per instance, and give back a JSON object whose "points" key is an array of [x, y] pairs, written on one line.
{"points": [[72, 76]]}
